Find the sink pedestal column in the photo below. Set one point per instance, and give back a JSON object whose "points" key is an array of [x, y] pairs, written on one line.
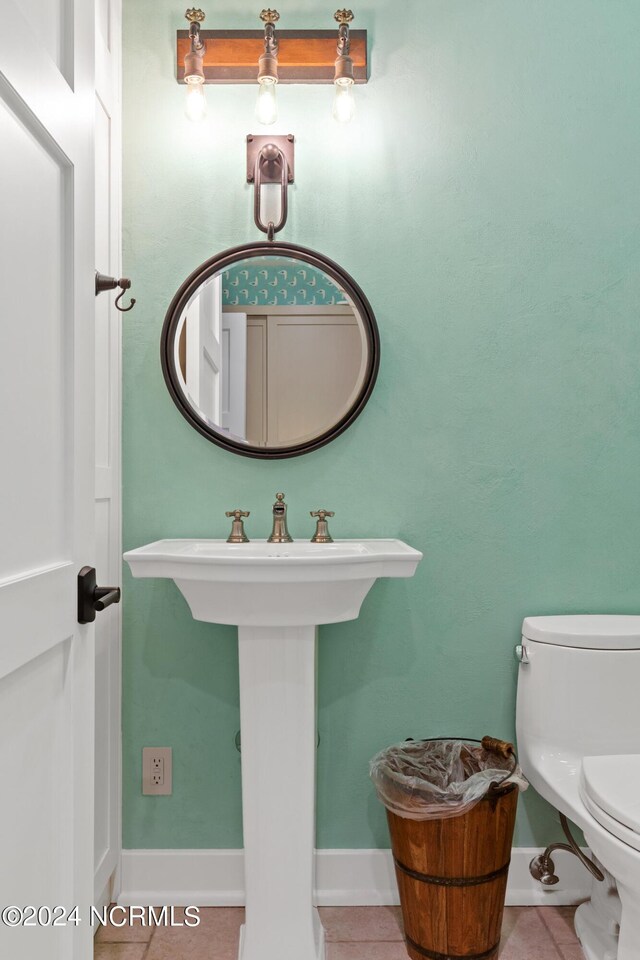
{"points": [[278, 730]]}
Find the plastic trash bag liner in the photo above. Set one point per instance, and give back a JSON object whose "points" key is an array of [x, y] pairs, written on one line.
{"points": [[439, 779]]}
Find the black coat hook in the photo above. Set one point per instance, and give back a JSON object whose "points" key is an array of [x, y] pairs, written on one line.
{"points": [[110, 283]]}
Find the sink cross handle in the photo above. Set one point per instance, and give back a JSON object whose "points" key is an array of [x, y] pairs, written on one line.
{"points": [[322, 534], [237, 534]]}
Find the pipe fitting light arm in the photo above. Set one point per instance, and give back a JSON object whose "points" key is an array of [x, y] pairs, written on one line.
{"points": [[343, 104], [197, 46], [196, 106], [267, 106]]}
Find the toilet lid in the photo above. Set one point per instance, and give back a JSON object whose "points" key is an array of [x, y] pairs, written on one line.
{"points": [[612, 783], [594, 632]]}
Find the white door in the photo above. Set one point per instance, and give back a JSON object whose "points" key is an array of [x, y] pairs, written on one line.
{"points": [[204, 356], [233, 400], [315, 370], [107, 440], [47, 476]]}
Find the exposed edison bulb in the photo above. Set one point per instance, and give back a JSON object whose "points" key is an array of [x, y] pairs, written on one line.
{"points": [[267, 105], [344, 104], [196, 105]]}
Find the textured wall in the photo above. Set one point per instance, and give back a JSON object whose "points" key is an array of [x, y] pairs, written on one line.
{"points": [[486, 200], [292, 284]]}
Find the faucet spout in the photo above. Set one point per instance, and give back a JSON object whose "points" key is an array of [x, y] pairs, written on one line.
{"points": [[279, 533]]}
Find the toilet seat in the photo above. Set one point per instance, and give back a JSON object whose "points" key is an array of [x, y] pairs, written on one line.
{"points": [[610, 790]]}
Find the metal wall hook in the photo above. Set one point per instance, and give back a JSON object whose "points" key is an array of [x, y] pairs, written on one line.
{"points": [[125, 284], [104, 282]]}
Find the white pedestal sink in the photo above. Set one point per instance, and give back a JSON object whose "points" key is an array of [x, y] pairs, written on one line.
{"points": [[277, 594]]}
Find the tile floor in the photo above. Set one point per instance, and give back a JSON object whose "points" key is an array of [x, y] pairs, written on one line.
{"points": [[353, 933]]}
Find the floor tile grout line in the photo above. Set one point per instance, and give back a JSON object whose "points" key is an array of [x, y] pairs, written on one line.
{"points": [[568, 943], [149, 942], [550, 939], [146, 949]]}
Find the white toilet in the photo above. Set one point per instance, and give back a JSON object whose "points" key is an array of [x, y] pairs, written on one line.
{"points": [[578, 727]]}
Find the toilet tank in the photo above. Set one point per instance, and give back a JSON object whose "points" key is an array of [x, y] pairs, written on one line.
{"points": [[579, 687]]}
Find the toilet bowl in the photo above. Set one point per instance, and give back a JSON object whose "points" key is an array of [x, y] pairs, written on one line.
{"points": [[578, 729]]}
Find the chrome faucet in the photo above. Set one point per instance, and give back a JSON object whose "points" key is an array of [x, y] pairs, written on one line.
{"points": [[280, 534]]}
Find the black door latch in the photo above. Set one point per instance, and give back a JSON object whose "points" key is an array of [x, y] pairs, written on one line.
{"points": [[92, 598]]}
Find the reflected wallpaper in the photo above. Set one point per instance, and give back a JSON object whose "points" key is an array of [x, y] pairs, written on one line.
{"points": [[292, 284]]}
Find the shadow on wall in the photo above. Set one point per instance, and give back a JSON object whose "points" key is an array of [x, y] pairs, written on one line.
{"points": [[176, 647]]}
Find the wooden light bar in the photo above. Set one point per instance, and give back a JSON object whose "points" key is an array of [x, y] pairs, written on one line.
{"points": [[304, 56]]}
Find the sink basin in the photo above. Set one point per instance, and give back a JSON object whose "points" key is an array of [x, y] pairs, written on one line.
{"points": [[277, 594], [274, 584]]}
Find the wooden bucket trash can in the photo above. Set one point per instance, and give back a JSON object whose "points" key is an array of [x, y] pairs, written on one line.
{"points": [[452, 874]]}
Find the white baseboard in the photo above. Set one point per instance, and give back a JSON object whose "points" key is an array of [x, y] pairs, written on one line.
{"points": [[215, 878]]}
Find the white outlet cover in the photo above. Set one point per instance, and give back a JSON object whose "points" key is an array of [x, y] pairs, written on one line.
{"points": [[156, 771]]}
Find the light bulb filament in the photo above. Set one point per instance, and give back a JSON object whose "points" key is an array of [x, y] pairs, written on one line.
{"points": [[267, 104]]}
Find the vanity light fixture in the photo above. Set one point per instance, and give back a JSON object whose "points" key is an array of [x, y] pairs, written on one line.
{"points": [[267, 105], [343, 101], [288, 56], [196, 106]]}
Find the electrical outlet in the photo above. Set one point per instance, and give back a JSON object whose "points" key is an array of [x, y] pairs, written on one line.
{"points": [[156, 771]]}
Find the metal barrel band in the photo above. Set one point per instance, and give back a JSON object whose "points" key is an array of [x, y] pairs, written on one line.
{"points": [[453, 881], [434, 955]]}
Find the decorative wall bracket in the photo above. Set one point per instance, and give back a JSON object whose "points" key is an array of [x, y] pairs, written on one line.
{"points": [[270, 160]]}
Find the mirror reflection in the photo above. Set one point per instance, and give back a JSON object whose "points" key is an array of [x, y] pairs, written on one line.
{"points": [[271, 352]]}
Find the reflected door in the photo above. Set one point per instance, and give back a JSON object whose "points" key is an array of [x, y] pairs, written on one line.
{"points": [[233, 413], [310, 372], [204, 350], [304, 369]]}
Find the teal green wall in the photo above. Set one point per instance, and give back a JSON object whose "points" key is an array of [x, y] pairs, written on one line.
{"points": [[486, 199]]}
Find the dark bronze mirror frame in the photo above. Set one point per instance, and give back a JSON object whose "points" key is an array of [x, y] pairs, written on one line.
{"points": [[220, 262]]}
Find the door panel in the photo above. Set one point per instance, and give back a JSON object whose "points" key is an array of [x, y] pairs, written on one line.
{"points": [[233, 401], [104, 15], [310, 382], [55, 31], [33, 699], [257, 381], [33, 353]]}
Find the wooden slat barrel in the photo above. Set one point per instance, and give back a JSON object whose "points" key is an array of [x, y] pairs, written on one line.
{"points": [[452, 877]]}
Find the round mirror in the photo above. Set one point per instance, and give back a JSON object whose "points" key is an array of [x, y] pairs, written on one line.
{"points": [[270, 350]]}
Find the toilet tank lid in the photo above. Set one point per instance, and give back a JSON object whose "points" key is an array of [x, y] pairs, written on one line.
{"points": [[591, 631]]}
